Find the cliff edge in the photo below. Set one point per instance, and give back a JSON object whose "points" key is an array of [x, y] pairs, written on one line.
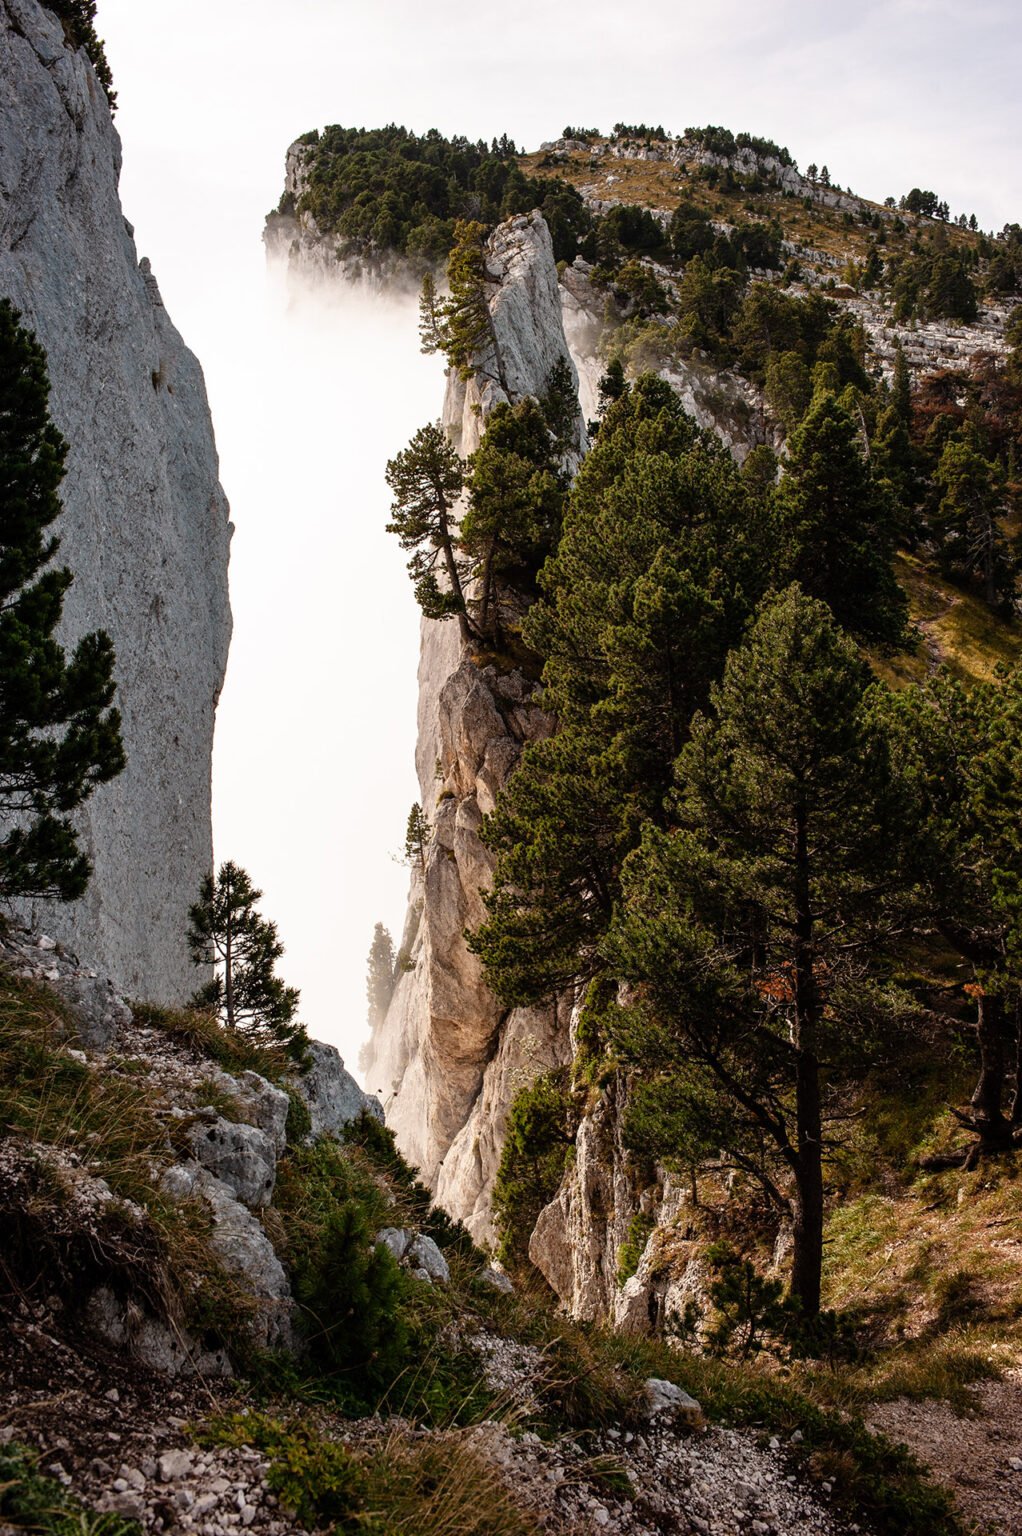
{"points": [[145, 527]]}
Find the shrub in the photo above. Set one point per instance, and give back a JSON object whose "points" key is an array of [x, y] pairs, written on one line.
{"points": [[541, 1131], [32, 1501]]}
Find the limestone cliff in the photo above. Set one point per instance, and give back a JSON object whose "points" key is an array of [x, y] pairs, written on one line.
{"points": [[145, 528], [448, 1060]]}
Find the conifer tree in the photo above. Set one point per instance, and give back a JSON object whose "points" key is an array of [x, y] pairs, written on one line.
{"points": [[661, 553], [228, 933], [961, 747], [460, 325], [59, 735], [969, 520], [426, 481], [416, 837], [746, 919], [837, 525], [379, 975], [513, 516]]}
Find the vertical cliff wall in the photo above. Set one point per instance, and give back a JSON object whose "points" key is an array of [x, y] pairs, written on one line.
{"points": [[448, 1060], [145, 528]]}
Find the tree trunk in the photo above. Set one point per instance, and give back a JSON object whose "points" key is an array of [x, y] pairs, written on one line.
{"points": [[447, 545], [987, 1101], [229, 973], [807, 1225], [1016, 1098]]}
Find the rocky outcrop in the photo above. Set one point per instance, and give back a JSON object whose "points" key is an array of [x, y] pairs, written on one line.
{"points": [[145, 528], [311, 254], [448, 1059], [719, 399], [330, 1093]]}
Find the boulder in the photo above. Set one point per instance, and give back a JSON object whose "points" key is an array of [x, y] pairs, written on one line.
{"points": [[425, 1260], [663, 1399], [397, 1239], [241, 1156], [99, 1013], [417, 1252], [264, 1105], [152, 1342], [241, 1245], [331, 1094]]}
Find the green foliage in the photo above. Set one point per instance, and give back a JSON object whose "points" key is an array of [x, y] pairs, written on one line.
{"points": [[380, 971], [749, 1307], [386, 1488], [417, 837], [376, 1141], [630, 1251], [513, 518], [970, 520], [460, 325], [228, 933], [935, 284], [541, 1128], [721, 141], [836, 527], [59, 736], [659, 555], [426, 480], [388, 189], [785, 857], [351, 1290], [32, 1501], [79, 18]]}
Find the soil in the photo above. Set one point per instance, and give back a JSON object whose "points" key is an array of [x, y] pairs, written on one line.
{"points": [[970, 1455]]}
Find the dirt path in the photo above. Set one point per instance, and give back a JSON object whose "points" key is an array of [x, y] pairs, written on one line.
{"points": [[972, 1456]]}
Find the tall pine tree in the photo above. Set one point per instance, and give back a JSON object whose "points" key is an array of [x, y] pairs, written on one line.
{"points": [[745, 921], [59, 735]]}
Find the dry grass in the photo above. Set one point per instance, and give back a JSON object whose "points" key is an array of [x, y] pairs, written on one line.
{"points": [[387, 1482], [70, 1123], [956, 629]]}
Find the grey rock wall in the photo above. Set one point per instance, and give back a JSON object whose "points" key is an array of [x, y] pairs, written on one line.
{"points": [[145, 527], [448, 1060]]}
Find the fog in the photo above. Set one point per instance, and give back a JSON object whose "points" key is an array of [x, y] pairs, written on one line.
{"points": [[313, 764]]}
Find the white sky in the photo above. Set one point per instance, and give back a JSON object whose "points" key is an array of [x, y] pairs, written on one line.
{"points": [[313, 763]]}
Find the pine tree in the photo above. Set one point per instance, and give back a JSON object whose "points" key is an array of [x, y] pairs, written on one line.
{"points": [[59, 736], [746, 920], [661, 553], [513, 516], [426, 481], [460, 325], [969, 520], [379, 975], [837, 525], [416, 837], [229, 934]]}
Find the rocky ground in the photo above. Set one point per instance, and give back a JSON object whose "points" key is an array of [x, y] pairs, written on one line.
{"points": [[977, 1455], [121, 1439]]}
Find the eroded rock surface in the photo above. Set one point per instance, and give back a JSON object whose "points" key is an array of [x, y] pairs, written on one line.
{"points": [[448, 1060], [145, 527]]}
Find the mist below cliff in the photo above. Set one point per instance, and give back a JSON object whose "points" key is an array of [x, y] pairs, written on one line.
{"points": [[314, 756]]}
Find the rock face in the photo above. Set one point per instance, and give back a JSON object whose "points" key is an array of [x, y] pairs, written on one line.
{"points": [[292, 236], [331, 1094], [145, 528], [448, 1060]]}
